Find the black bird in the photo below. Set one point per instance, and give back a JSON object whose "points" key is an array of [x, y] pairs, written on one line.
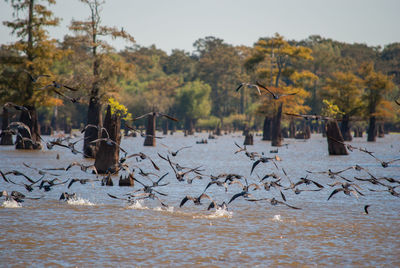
{"points": [[196, 200], [66, 196], [142, 156], [99, 128], [35, 79], [310, 116], [308, 182], [156, 114], [18, 173], [366, 208], [16, 196], [249, 86], [273, 202], [174, 153], [55, 84], [84, 168], [28, 187], [48, 184], [20, 126], [82, 181], [157, 183], [274, 95], [148, 188], [263, 160], [389, 189], [109, 142], [16, 107], [179, 174], [346, 189], [214, 204]]}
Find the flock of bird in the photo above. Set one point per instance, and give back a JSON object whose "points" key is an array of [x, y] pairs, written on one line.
{"points": [[272, 187]]}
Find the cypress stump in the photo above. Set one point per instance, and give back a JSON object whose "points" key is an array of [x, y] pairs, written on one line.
{"points": [[91, 134], [29, 118], [267, 129], [333, 135], [6, 136], [107, 156], [276, 136], [150, 139]]}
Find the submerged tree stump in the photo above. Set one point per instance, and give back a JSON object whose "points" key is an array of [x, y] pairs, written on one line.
{"points": [[333, 135], [126, 181], [267, 129], [345, 128], [107, 156], [248, 137], [165, 127], [276, 137], [29, 118], [6, 136], [91, 134], [292, 129], [381, 131], [150, 139], [372, 129]]}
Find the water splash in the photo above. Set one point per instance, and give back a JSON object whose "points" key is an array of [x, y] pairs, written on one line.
{"points": [[277, 218], [79, 202], [219, 213], [168, 209], [11, 204], [137, 204]]}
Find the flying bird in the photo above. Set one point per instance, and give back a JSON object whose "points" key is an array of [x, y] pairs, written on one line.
{"points": [[156, 114], [274, 95], [34, 79], [249, 86]]}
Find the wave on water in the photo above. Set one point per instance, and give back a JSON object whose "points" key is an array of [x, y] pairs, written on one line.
{"points": [[137, 204], [219, 213], [277, 218], [11, 204], [79, 202], [168, 209]]}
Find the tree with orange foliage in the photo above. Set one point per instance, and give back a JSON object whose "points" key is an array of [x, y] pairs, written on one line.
{"points": [[35, 53], [272, 61], [377, 85]]}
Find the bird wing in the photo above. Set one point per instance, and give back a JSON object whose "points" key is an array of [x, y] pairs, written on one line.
{"points": [[335, 192], [186, 198], [254, 165], [236, 196], [70, 88], [265, 88]]}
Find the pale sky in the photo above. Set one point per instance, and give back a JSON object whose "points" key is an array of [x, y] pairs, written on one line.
{"points": [[177, 24]]}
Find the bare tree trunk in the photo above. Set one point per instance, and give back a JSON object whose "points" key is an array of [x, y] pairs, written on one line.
{"points": [[267, 129], [91, 134], [372, 129], [150, 139], [30, 119], [276, 139], [189, 126], [345, 128], [381, 131], [108, 154], [333, 134], [6, 137]]}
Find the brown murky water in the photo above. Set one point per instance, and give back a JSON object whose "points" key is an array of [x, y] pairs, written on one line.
{"points": [[96, 230]]}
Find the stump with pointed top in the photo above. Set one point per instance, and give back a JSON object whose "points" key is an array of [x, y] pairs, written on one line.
{"points": [[150, 139], [333, 134]]}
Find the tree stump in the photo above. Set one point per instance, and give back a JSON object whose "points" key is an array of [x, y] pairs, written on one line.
{"points": [[107, 156], [150, 139], [292, 129], [267, 129], [307, 132], [372, 129], [345, 128], [91, 134], [165, 127], [333, 135], [381, 131], [127, 181], [276, 137], [6, 136], [249, 139], [29, 118]]}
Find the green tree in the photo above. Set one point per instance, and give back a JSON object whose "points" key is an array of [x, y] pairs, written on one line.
{"points": [[345, 90], [193, 102]]}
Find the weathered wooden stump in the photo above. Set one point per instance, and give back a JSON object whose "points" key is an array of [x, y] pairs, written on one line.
{"points": [[372, 129], [381, 131], [165, 127], [91, 134], [126, 181], [276, 135], [292, 129], [107, 156], [6, 136], [150, 139], [267, 129], [333, 135], [345, 128], [249, 139], [29, 118]]}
